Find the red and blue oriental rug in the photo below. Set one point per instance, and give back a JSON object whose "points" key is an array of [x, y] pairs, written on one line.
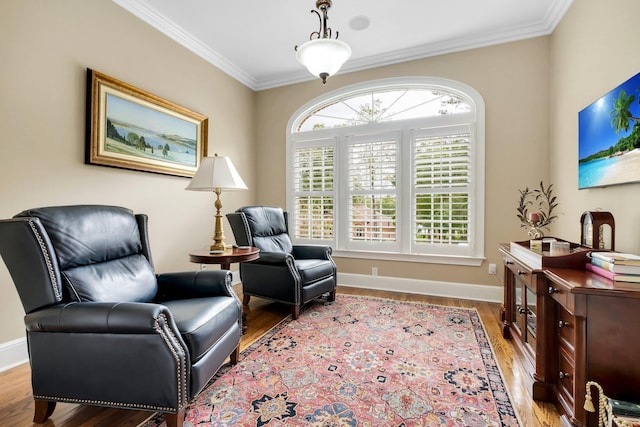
{"points": [[361, 362]]}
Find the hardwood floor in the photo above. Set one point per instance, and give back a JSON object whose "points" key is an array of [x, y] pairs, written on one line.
{"points": [[16, 403]]}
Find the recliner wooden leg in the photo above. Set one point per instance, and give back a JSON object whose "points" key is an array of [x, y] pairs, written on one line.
{"points": [[295, 311], [43, 410], [245, 299], [174, 420], [235, 356], [332, 295], [244, 319]]}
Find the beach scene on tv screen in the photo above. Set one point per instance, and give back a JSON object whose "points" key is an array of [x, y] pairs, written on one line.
{"points": [[609, 138]]}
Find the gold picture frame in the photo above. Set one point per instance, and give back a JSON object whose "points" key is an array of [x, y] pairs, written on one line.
{"points": [[133, 129]]}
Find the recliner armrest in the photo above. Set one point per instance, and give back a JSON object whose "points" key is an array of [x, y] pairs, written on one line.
{"points": [[86, 351], [194, 284], [312, 252], [99, 317]]}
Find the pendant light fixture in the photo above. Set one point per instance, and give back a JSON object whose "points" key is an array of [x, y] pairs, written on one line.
{"points": [[322, 55]]}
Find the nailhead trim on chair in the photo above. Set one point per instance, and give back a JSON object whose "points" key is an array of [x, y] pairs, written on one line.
{"points": [[181, 376], [107, 403], [296, 278], [47, 260]]}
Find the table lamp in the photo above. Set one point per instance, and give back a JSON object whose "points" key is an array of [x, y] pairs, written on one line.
{"points": [[216, 174]]}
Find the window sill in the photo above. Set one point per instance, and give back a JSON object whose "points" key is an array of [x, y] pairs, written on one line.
{"points": [[427, 259]]}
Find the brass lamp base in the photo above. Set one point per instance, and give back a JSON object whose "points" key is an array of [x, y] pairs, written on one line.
{"points": [[217, 247], [218, 234]]}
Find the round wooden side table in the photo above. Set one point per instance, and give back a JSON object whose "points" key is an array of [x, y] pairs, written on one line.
{"points": [[225, 259]]}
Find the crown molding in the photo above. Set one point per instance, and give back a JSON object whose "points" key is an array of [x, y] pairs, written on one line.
{"points": [[544, 27], [178, 34]]}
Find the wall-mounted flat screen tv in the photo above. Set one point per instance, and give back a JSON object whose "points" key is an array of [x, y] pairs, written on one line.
{"points": [[609, 138]]}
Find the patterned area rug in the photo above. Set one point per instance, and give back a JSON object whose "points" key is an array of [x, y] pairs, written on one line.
{"points": [[361, 361]]}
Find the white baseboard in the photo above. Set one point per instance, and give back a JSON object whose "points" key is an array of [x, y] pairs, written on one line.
{"points": [[422, 287], [13, 353]]}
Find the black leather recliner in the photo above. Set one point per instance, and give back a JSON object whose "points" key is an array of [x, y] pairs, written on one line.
{"points": [[292, 274], [102, 328]]}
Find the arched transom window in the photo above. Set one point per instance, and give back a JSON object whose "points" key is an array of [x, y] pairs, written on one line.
{"points": [[390, 169], [383, 106]]}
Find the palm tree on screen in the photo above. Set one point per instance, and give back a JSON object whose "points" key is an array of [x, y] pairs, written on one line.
{"points": [[620, 115]]}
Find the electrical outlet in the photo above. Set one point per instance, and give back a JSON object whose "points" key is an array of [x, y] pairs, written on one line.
{"points": [[374, 271], [492, 269], [203, 266]]}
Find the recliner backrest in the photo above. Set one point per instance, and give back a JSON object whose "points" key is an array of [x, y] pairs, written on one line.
{"points": [[268, 228], [99, 252]]}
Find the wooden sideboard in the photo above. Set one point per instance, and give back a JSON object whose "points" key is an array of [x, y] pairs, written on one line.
{"points": [[571, 326]]}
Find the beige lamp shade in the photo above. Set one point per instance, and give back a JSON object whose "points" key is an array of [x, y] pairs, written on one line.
{"points": [[216, 173]]}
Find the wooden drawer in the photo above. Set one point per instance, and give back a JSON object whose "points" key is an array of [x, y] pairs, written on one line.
{"points": [[520, 271], [560, 295], [566, 375], [566, 329]]}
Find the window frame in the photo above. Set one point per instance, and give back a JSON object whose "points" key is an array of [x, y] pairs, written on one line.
{"points": [[475, 120]]}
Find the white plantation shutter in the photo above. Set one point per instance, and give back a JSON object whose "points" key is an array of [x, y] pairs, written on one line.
{"points": [[313, 171], [372, 177], [441, 174]]}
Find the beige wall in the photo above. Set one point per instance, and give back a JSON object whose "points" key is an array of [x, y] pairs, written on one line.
{"points": [[593, 50], [512, 78], [45, 48]]}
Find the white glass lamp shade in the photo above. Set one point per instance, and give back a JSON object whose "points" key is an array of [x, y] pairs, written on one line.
{"points": [[323, 56], [216, 173]]}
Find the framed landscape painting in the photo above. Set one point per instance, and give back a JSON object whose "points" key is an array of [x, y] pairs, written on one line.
{"points": [[133, 129], [609, 138]]}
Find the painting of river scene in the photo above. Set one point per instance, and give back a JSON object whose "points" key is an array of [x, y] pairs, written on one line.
{"points": [[133, 129], [609, 138]]}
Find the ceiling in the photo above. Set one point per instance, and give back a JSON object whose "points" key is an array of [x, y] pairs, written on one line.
{"points": [[253, 41]]}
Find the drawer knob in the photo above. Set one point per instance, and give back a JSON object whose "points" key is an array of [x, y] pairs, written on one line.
{"points": [[522, 310], [562, 324], [553, 290], [564, 375], [508, 262], [520, 272]]}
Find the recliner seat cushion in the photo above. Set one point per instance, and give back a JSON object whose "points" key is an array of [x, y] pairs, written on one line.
{"points": [[203, 321], [312, 270]]}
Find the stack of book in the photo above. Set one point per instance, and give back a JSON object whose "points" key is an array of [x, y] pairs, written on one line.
{"points": [[616, 266]]}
